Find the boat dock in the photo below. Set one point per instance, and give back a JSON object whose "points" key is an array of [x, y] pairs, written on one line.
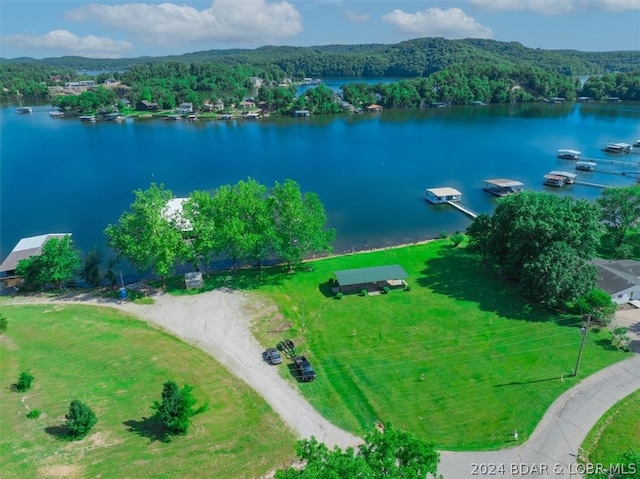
{"points": [[470, 213], [589, 183], [612, 162]]}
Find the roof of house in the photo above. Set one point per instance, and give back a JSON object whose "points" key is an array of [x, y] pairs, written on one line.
{"points": [[26, 248], [618, 275], [373, 274]]}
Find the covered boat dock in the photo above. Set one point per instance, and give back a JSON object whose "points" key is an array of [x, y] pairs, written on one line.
{"points": [[502, 186], [443, 195]]}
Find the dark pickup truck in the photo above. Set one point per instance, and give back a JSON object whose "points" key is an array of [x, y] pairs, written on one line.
{"points": [[304, 366]]}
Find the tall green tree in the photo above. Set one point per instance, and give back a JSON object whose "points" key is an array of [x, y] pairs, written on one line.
{"points": [[90, 271], [204, 241], [146, 236], [598, 304], [480, 232], [57, 264], [299, 223], [620, 210], [392, 453], [79, 420], [177, 408]]}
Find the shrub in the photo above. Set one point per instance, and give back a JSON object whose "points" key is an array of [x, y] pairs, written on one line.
{"points": [[363, 292], [386, 290], [4, 322], [80, 420], [34, 414], [339, 295], [25, 380], [456, 239]]}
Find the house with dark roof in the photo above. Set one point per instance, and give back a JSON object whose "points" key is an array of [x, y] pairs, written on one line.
{"points": [[620, 278], [144, 105]]}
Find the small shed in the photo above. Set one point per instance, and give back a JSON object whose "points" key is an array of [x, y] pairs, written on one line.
{"points": [[193, 280], [372, 279], [443, 195]]}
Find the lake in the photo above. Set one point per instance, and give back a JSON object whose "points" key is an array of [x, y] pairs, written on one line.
{"points": [[370, 170]]}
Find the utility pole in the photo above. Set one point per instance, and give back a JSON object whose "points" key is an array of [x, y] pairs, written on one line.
{"points": [[302, 329], [583, 330]]}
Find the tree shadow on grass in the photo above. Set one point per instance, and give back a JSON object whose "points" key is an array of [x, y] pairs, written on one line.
{"points": [[59, 432], [462, 275], [149, 427]]}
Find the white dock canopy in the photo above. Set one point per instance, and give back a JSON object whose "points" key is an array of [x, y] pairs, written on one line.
{"points": [[568, 154], [442, 195], [565, 174]]}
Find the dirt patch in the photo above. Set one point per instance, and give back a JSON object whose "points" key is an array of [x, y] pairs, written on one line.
{"points": [[60, 470]]}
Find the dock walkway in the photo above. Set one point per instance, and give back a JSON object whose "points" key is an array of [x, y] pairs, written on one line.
{"points": [[472, 214], [588, 183]]}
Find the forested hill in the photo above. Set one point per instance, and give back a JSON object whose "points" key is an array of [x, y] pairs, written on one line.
{"points": [[413, 58]]}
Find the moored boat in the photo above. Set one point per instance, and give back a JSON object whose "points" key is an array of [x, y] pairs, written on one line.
{"points": [[88, 118], [559, 178], [56, 114], [617, 148], [24, 109]]}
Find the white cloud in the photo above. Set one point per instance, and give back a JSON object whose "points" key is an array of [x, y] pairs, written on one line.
{"points": [[245, 21], [547, 7], [433, 22], [557, 7], [58, 41], [615, 5], [357, 17]]}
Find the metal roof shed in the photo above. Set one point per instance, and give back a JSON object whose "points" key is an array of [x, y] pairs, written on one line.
{"points": [[356, 279]]}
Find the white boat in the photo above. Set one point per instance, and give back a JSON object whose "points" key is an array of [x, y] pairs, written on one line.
{"points": [[567, 154], [56, 114], [24, 109], [586, 165], [636, 144], [89, 118]]}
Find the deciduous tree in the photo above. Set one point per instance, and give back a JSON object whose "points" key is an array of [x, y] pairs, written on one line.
{"points": [[57, 264], [620, 210], [177, 408], [79, 420], [299, 223], [145, 236]]}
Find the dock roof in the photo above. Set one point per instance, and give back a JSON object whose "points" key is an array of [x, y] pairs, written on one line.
{"points": [[373, 274], [444, 191], [26, 248], [565, 174], [503, 182]]}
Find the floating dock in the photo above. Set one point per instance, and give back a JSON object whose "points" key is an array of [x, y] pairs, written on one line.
{"points": [[502, 186], [470, 213]]}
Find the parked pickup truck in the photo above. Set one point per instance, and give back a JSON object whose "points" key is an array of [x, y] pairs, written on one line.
{"points": [[304, 366]]}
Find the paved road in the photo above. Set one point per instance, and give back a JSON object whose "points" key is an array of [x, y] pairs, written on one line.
{"points": [[551, 450]]}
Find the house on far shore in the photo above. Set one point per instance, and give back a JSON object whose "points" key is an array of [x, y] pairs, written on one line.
{"points": [[374, 108], [619, 278], [373, 279], [144, 105], [26, 248], [184, 108]]}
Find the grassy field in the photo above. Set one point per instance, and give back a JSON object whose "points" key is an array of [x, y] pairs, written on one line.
{"points": [[459, 359], [117, 365], [616, 432]]}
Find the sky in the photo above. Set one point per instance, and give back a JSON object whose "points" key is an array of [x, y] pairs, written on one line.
{"points": [[124, 29]]}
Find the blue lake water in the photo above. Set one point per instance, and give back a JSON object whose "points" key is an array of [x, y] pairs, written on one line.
{"points": [[370, 170]]}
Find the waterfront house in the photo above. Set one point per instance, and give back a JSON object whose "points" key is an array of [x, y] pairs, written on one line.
{"points": [[374, 108], [247, 105], [619, 278], [304, 113], [26, 248], [185, 108], [144, 105]]}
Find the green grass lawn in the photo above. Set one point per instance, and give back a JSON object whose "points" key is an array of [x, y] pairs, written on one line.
{"points": [[460, 359], [117, 366], [616, 432]]}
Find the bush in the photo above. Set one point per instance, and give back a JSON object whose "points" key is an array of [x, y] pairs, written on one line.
{"points": [[339, 295], [80, 420], [34, 414], [4, 322], [363, 292], [386, 290], [25, 380], [407, 288], [456, 239]]}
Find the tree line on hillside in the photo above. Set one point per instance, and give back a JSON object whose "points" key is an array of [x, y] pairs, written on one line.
{"points": [[411, 58]]}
